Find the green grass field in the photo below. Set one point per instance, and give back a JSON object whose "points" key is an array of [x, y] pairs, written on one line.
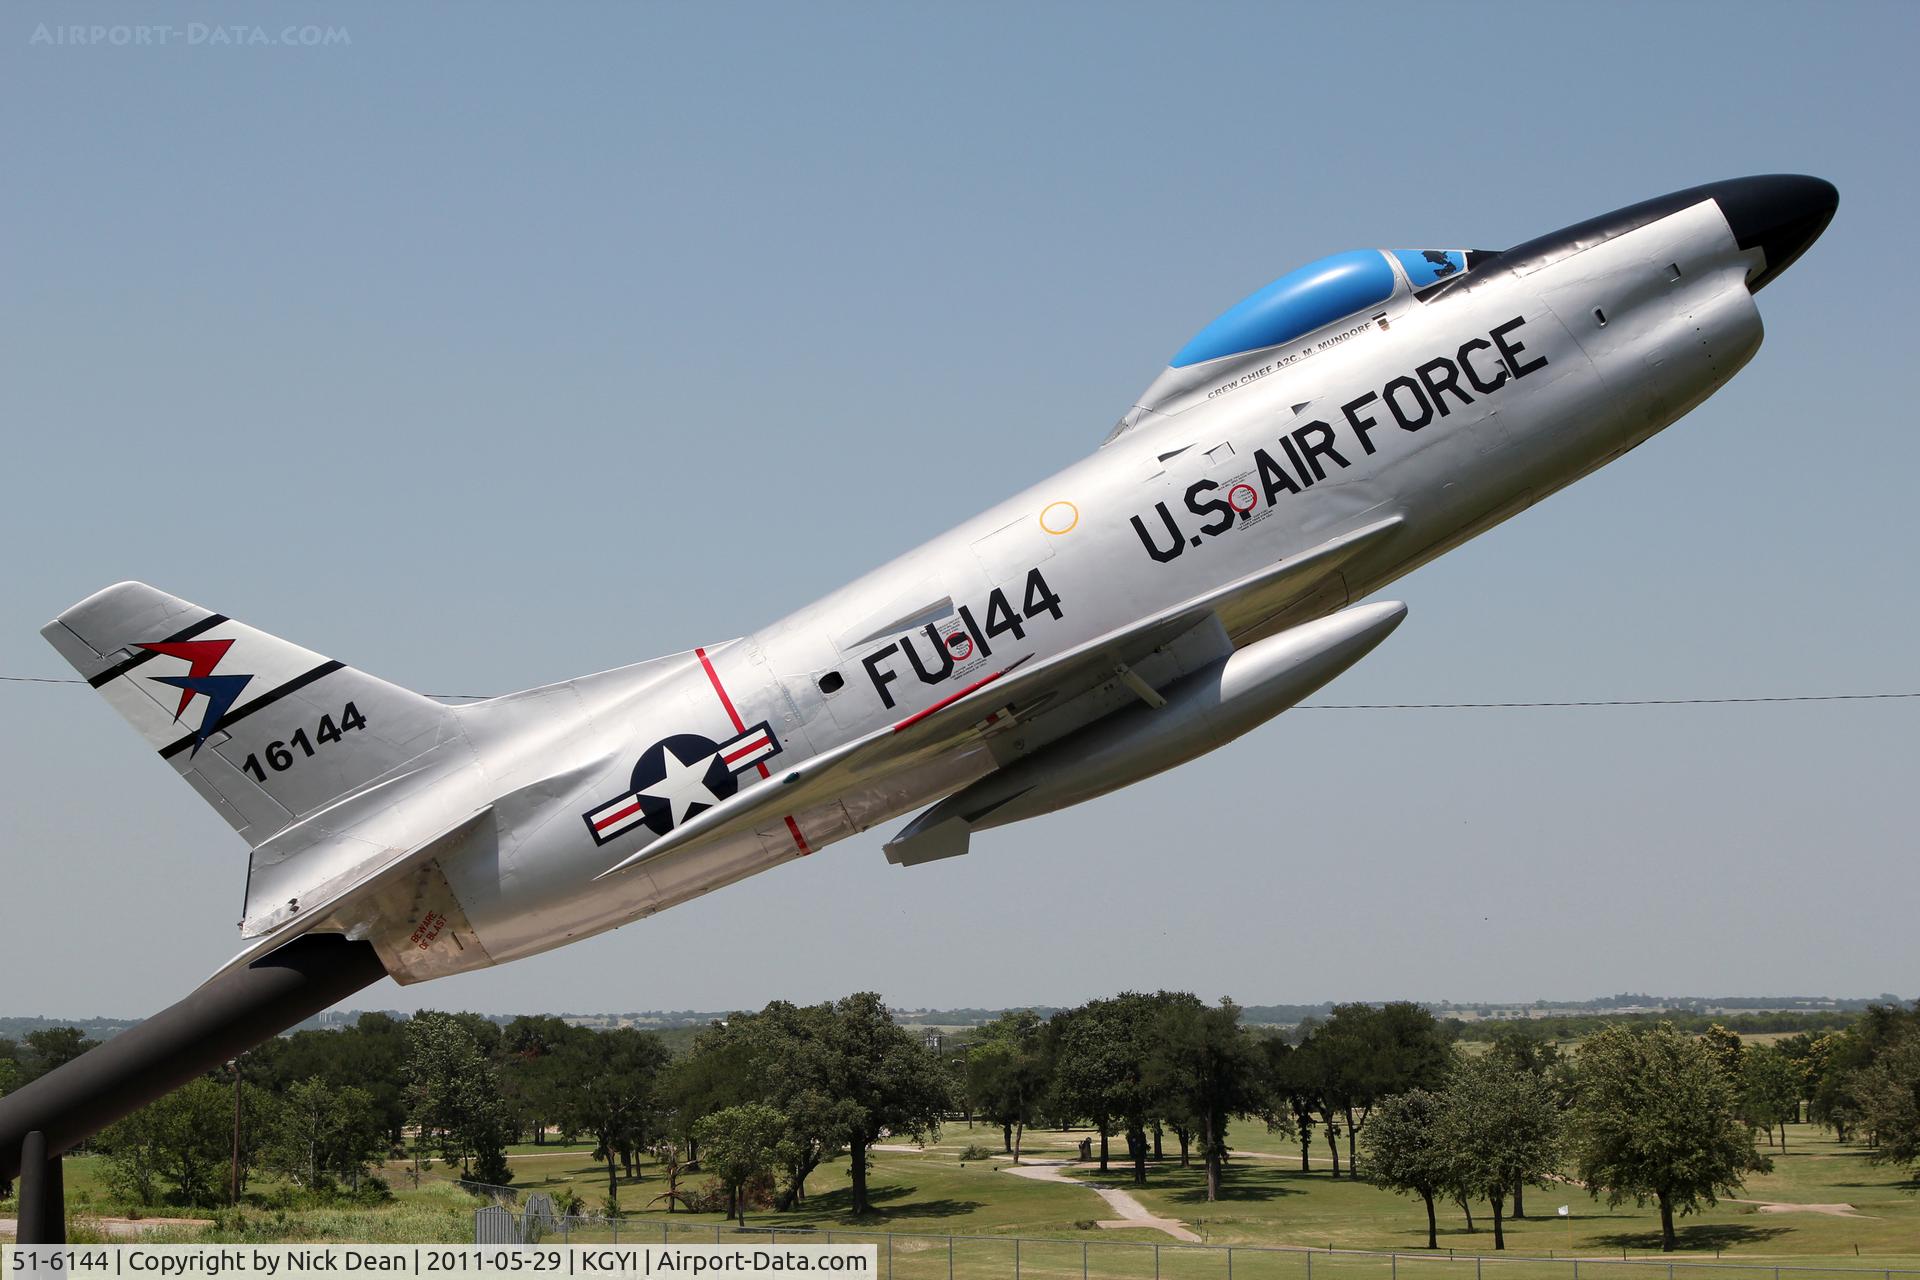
{"points": [[1267, 1201]]}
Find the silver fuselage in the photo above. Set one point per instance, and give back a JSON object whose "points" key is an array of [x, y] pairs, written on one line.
{"points": [[1547, 370]]}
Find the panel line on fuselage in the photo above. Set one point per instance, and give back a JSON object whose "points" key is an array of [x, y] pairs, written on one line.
{"points": [[740, 726]]}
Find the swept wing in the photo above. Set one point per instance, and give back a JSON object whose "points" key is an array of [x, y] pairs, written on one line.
{"points": [[1240, 606]]}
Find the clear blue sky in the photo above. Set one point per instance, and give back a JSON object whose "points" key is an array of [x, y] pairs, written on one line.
{"points": [[500, 344]]}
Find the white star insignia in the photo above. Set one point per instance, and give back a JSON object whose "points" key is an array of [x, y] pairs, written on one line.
{"points": [[683, 787]]}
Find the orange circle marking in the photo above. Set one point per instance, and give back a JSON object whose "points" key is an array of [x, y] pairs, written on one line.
{"points": [[1059, 518]]}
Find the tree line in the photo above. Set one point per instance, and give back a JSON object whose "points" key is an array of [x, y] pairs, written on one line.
{"points": [[757, 1102], [1574, 1026]]}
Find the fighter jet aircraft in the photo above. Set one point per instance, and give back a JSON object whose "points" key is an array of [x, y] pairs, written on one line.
{"points": [[1200, 572]]}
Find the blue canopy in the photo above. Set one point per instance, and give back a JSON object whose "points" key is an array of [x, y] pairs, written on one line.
{"points": [[1299, 302]]}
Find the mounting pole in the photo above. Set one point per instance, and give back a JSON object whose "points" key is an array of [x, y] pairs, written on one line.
{"points": [[43, 1198], [225, 1017]]}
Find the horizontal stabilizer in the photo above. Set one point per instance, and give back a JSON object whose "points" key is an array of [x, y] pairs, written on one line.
{"points": [[350, 904]]}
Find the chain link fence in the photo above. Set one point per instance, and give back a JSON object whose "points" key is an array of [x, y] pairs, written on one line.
{"points": [[913, 1256]]}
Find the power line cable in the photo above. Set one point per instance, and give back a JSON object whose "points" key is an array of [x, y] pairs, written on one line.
{"points": [[1373, 706], [1596, 702]]}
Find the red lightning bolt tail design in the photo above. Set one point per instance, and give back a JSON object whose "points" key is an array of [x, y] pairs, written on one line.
{"points": [[204, 655]]}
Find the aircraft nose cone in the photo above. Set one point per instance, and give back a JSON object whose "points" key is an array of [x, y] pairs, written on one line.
{"points": [[1779, 214]]}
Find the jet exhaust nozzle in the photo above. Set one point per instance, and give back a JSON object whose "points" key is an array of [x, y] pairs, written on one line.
{"points": [[1205, 710]]}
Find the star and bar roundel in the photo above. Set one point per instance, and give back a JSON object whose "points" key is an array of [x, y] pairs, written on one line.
{"points": [[679, 777]]}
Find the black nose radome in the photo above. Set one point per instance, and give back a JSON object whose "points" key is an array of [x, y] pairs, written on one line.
{"points": [[1779, 214]]}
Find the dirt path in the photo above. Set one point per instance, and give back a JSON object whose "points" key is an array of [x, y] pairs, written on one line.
{"points": [[119, 1228], [1774, 1206], [1787, 1206], [1132, 1212]]}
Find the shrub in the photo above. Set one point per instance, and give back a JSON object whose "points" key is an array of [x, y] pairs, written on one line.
{"points": [[371, 1191], [974, 1151], [709, 1197], [758, 1193]]}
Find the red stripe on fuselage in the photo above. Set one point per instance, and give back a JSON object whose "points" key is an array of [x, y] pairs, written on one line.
{"points": [[740, 726], [949, 700]]}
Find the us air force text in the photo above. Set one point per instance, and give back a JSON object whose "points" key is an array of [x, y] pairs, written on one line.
{"points": [[1311, 452]]}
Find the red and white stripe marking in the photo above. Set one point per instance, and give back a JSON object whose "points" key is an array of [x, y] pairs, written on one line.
{"points": [[610, 819], [749, 748], [738, 754]]}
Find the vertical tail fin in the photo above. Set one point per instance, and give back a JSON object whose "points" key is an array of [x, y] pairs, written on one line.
{"points": [[264, 730]]}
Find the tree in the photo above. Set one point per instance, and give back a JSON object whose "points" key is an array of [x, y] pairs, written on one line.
{"points": [[531, 1075], [1090, 1053], [1726, 1050], [1148, 1092], [1008, 1074], [1889, 1093], [370, 1055], [321, 1133], [535, 1035], [1833, 1060], [1843, 1063], [1202, 1064], [1323, 1082], [673, 1163], [740, 1144], [1655, 1120], [990, 1065], [51, 1048], [1287, 1076], [1375, 1053], [797, 1068], [1362, 1054], [484, 1032], [1769, 1090], [1800, 1051], [1523, 1050], [11, 1071], [786, 1056], [722, 1070], [888, 1081], [609, 1094], [183, 1141], [454, 1098], [1500, 1128], [1405, 1151], [1099, 1054], [130, 1148]]}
